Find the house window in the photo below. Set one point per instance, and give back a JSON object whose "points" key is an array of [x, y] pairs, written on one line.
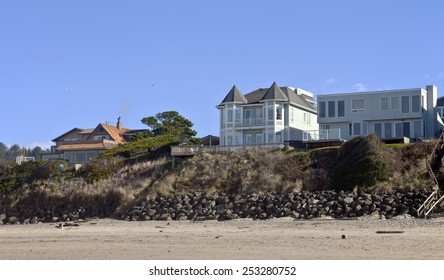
{"points": [[358, 105], [394, 102], [350, 129], [270, 137], [405, 104], [270, 113], [278, 137], [230, 140], [322, 109], [238, 112], [229, 115], [388, 130], [278, 113], [237, 140], [378, 130], [417, 129], [258, 138], [101, 137], [325, 126], [80, 157], [416, 106], [398, 130], [331, 109], [341, 108], [384, 103], [356, 128]]}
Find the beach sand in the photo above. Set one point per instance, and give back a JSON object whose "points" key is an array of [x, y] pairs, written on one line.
{"points": [[283, 238]]}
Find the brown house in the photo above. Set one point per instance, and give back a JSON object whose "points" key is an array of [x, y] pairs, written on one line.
{"points": [[79, 145]]}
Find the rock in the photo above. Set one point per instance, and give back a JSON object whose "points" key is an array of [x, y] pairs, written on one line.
{"points": [[165, 217], [343, 236], [2, 217], [386, 208], [348, 200], [13, 220]]}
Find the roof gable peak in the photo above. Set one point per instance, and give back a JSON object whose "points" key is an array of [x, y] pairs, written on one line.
{"points": [[234, 96], [274, 93]]}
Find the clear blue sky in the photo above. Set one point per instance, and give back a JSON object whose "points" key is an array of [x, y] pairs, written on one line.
{"points": [[66, 64]]}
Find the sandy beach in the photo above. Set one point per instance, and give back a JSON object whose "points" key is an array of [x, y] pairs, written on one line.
{"points": [[284, 238]]}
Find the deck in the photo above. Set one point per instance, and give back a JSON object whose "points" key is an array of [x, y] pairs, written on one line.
{"points": [[199, 149]]}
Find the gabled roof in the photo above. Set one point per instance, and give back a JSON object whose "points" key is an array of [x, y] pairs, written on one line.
{"points": [[274, 93], [234, 96], [112, 131], [299, 99], [87, 131], [102, 145], [66, 133]]}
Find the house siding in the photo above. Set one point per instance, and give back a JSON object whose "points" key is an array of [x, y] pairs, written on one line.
{"points": [[389, 114]]}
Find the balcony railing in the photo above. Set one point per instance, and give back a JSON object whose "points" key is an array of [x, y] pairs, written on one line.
{"points": [[249, 122], [324, 134]]}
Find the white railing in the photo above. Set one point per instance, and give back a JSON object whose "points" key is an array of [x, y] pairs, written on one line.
{"points": [[192, 150], [323, 134], [250, 122], [21, 159]]}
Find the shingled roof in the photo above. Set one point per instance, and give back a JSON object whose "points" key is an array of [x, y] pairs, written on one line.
{"points": [[97, 145], [234, 96], [294, 96], [274, 93]]}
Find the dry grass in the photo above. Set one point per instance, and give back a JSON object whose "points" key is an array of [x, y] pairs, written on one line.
{"points": [[235, 172]]}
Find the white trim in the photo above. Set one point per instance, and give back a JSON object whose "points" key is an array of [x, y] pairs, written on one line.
{"points": [[370, 92]]}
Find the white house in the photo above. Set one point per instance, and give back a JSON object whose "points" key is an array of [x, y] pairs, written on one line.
{"points": [[389, 113], [266, 115]]}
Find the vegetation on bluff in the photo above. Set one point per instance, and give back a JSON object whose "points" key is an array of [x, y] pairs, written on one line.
{"points": [[129, 174]]}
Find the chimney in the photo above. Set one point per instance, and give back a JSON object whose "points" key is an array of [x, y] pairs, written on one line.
{"points": [[431, 124], [119, 125]]}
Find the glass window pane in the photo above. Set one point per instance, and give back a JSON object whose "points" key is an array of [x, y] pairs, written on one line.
{"points": [[322, 109], [406, 129], [358, 105], [378, 130], [415, 104], [357, 128], [384, 103], [270, 114], [405, 100], [388, 130], [417, 129], [394, 102], [341, 108], [279, 113], [331, 109], [398, 130]]}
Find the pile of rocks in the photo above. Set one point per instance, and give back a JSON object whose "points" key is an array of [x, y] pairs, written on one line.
{"points": [[219, 206], [304, 205], [41, 214]]}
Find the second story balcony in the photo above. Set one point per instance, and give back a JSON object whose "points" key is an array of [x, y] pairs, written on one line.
{"points": [[322, 135], [250, 122]]}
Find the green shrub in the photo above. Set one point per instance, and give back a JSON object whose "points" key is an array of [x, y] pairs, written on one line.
{"points": [[141, 147], [360, 163]]}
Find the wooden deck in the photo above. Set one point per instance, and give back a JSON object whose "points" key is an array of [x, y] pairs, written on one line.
{"points": [[199, 149]]}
